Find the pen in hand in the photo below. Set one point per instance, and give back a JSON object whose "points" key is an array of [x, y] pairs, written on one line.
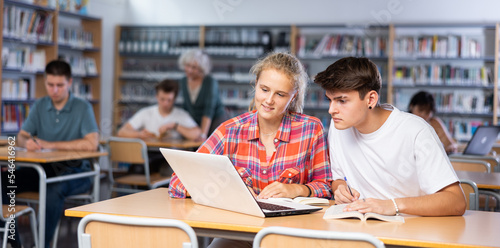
{"points": [[33, 138], [345, 179]]}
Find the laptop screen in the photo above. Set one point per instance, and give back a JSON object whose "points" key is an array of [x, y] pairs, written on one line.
{"points": [[482, 141]]}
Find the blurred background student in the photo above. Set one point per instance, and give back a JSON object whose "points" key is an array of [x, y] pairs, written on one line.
{"points": [[201, 91], [423, 104]]}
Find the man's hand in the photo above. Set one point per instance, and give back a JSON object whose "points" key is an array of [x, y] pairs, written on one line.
{"points": [[343, 195], [385, 207], [145, 134]]}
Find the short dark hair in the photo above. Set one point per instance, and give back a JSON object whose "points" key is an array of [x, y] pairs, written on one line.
{"points": [[167, 86], [350, 73], [58, 68], [424, 100]]}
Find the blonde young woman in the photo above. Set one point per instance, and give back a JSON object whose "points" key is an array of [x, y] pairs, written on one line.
{"points": [[278, 151]]}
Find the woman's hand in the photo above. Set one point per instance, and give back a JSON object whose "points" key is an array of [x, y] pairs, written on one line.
{"points": [[385, 207], [277, 189], [343, 195]]}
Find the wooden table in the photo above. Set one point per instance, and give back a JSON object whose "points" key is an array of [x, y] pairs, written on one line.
{"points": [[154, 143], [482, 179], [474, 229], [35, 159]]}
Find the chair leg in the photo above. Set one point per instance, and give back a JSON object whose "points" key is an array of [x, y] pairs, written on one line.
{"points": [[56, 234], [33, 227], [5, 232]]}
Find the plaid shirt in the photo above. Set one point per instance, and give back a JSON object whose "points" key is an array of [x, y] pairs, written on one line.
{"points": [[301, 154]]}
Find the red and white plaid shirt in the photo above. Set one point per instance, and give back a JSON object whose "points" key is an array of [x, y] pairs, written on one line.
{"points": [[301, 154]]}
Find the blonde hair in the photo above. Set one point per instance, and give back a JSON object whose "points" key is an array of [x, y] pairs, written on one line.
{"points": [[198, 56], [289, 65]]}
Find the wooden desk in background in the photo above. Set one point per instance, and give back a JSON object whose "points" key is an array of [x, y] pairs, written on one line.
{"points": [[154, 144], [483, 180], [474, 229], [35, 159]]}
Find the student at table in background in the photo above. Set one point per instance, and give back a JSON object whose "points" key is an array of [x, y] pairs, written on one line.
{"points": [[393, 161], [423, 105], [200, 91], [162, 119], [278, 151], [64, 122]]}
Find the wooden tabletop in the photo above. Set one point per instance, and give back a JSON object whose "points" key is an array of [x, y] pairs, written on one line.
{"points": [[48, 157], [482, 179], [474, 229], [181, 144], [168, 143]]}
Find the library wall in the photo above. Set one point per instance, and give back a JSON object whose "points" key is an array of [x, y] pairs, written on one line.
{"points": [[276, 12]]}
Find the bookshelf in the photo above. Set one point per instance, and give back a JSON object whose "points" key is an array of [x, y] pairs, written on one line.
{"points": [[470, 51], [30, 39], [456, 63]]}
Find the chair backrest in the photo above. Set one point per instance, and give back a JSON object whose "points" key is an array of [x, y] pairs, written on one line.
{"points": [[492, 160], [470, 165], [471, 194], [109, 231], [128, 150], [295, 237]]}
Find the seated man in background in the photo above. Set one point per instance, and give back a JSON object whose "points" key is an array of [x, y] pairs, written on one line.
{"points": [[63, 122], [423, 105], [161, 120]]}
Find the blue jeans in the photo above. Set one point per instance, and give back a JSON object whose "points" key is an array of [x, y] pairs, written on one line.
{"points": [[27, 180]]}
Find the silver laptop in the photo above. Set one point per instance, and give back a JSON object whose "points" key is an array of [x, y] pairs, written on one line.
{"points": [[212, 180], [482, 141]]}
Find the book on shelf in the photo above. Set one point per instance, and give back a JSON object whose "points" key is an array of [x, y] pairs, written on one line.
{"points": [[23, 58], [13, 116], [337, 212], [15, 89]]}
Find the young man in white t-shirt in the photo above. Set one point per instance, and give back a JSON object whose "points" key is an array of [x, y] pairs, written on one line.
{"points": [[162, 119], [393, 161]]}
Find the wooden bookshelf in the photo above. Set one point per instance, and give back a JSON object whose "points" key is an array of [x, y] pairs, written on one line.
{"points": [[232, 56], [51, 49]]}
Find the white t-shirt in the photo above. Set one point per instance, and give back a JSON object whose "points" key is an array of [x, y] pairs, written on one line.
{"points": [[403, 158], [150, 119]]}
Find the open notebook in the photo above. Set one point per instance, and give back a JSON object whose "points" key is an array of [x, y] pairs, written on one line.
{"points": [[212, 180]]}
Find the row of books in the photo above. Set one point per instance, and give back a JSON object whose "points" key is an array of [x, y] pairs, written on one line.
{"points": [[451, 46], [138, 92], [75, 37], [15, 89], [158, 40], [13, 116], [341, 45], [23, 58], [315, 98], [76, 6], [27, 24], [81, 66], [463, 129], [435, 74], [81, 89], [457, 101]]}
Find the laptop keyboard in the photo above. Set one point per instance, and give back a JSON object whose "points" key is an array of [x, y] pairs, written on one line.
{"points": [[272, 207]]}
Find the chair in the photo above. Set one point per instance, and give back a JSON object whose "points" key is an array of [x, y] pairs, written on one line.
{"points": [[101, 230], [81, 199], [16, 210], [286, 237], [492, 160], [471, 194], [487, 199], [132, 151]]}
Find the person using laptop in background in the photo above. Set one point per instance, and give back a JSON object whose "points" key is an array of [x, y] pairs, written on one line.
{"points": [[393, 161], [422, 104], [277, 150]]}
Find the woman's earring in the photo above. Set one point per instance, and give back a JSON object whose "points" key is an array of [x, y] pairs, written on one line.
{"points": [[370, 107]]}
